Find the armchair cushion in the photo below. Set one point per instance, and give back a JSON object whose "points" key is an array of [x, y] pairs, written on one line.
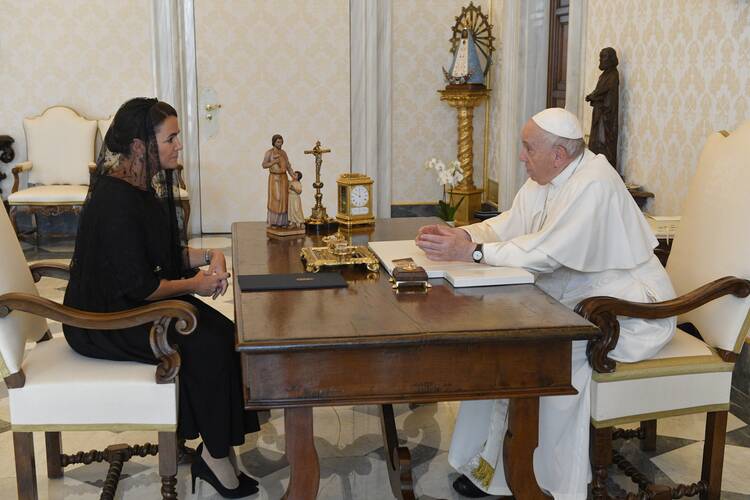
{"points": [[60, 145], [684, 377], [55, 194], [74, 392]]}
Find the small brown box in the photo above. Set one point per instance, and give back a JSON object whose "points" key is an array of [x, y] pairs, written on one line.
{"points": [[411, 273]]}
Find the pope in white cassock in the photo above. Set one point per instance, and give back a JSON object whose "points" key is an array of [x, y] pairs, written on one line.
{"points": [[575, 225]]}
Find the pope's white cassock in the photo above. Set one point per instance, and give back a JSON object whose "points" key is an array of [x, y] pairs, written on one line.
{"points": [[583, 235]]}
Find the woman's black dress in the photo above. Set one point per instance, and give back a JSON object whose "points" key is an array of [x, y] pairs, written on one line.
{"points": [[123, 249]]}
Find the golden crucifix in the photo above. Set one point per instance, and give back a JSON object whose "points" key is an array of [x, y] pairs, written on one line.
{"points": [[319, 215]]}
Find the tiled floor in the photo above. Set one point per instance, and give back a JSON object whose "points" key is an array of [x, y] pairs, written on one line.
{"points": [[349, 444]]}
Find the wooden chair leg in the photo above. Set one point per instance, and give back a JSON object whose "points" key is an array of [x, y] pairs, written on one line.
{"points": [[713, 453], [648, 443], [23, 449], [13, 213], [36, 229], [601, 458], [53, 444], [168, 465]]}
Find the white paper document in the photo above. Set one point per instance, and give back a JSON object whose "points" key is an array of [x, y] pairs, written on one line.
{"points": [[459, 274]]}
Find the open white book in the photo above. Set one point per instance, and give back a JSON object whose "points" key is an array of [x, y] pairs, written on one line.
{"points": [[459, 274]]}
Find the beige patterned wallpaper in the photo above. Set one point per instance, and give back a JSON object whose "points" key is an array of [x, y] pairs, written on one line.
{"points": [[89, 55], [276, 67], [496, 108], [684, 73], [423, 126]]}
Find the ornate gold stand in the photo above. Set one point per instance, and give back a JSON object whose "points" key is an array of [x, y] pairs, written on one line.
{"points": [[319, 220], [465, 98]]}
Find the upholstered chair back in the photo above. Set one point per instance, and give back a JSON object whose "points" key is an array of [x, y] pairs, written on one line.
{"points": [[60, 145], [18, 327], [103, 126], [713, 240]]}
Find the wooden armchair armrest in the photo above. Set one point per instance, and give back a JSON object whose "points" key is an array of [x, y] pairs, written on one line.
{"points": [[159, 313], [92, 167], [24, 166], [50, 270], [603, 312]]}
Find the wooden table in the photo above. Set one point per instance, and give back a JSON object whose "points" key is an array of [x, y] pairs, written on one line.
{"points": [[367, 345]]}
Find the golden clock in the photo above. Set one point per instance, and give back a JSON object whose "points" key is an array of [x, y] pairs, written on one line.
{"points": [[355, 200]]}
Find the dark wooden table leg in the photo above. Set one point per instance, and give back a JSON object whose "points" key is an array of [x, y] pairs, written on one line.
{"points": [[397, 458], [521, 440], [304, 468]]}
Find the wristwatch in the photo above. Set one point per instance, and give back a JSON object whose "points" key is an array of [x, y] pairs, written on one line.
{"points": [[477, 254]]}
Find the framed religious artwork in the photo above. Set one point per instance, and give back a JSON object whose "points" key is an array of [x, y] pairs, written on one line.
{"points": [[355, 200]]}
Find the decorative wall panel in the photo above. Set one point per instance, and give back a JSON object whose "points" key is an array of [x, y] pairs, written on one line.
{"points": [[89, 55], [684, 73], [275, 67]]}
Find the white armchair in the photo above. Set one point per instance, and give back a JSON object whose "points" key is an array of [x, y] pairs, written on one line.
{"points": [[690, 375], [51, 388], [181, 193], [60, 146]]}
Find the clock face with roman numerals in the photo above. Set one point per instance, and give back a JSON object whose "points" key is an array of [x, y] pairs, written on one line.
{"points": [[359, 196]]}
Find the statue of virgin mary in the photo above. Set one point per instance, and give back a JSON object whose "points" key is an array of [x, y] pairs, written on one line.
{"points": [[466, 67]]}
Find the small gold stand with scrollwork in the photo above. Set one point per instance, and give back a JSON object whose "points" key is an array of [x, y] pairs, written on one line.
{"points": [[319, 220], [338, 252]]}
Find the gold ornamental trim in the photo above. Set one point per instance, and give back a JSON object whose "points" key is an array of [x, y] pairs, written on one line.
{"points": [[338, 252], [484, 472]]}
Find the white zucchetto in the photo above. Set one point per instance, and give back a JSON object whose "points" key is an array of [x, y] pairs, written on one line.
{"points": [[560, 122]]}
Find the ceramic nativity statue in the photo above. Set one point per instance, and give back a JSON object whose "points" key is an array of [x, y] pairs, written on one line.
{"points": [[605, 101]]}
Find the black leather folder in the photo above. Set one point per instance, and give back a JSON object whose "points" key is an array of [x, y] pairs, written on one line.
{"points": [[298, 281]]}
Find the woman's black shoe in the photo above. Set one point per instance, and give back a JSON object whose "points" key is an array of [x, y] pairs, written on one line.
{"points": [[199, 469], [465, 487], [244, 478]]}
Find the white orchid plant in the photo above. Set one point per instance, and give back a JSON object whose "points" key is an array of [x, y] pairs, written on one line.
{"points": [[448, 177]]}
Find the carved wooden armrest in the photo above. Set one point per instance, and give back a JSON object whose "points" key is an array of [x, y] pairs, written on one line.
{"points": [[92, 167], [20, 167], [159, 313], [603, 312], [50, 270]]}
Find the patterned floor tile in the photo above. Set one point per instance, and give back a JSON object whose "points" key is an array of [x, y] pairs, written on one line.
{"points": [[683, 465], [739, 437], [692, 426]]}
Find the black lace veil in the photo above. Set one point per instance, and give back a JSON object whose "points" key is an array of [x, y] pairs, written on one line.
{"points": [[130, 151]]}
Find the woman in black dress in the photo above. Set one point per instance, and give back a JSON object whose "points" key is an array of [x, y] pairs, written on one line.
{"points": [[128, 253]]}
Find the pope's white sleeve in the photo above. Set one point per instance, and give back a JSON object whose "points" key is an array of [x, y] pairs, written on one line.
{"points": [[508, 254]]}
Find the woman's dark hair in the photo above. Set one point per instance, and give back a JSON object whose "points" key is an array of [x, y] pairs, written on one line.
{"points": [[299, 174], [273, 139], [136, 119]]}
